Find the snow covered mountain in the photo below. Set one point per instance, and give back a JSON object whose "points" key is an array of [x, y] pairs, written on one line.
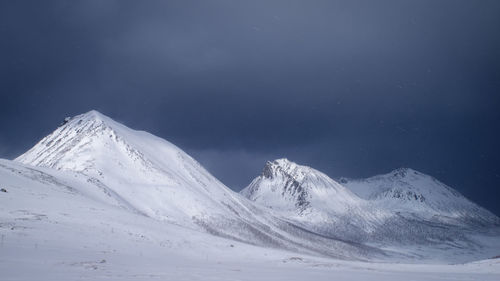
{"points": [[147, 175], [157, 178], [93, 166], [407, 190], [287, 187], [402, 209]]}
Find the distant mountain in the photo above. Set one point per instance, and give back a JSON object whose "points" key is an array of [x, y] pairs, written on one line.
{"points": [[407, 190], [404, 208], [285, 186]]}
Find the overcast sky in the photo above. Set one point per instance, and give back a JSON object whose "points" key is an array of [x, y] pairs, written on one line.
{"points": [[351, 88]]}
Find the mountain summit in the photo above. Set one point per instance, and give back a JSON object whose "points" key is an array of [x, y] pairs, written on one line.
{"points": [[287, 186], [157, 178], [410, 191]]}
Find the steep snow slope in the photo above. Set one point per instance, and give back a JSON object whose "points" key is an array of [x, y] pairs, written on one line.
{"points": [[287, 187], [425, 220], [155, 176], [151, 176], [54, 225]]}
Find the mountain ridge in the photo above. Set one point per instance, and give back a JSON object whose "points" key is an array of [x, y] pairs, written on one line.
{"points": [[408, 208], [161, 181], [289, 206]]}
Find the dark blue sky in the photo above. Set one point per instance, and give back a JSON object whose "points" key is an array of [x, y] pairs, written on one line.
{"points": [[351, 88]]}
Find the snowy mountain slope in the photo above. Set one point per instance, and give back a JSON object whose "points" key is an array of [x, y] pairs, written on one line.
{"points": [[55, 226], [287, 187], [156, 177], [150, 176], [429, 219], [407, 190]]}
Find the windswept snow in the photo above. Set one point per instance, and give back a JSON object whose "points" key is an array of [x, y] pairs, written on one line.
{"points": [[154, 176]]}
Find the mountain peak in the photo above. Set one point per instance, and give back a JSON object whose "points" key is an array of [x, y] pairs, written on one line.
{"points": [[148, 172], [404, 172], [405, 185], [92, 113], [287, 186], [74, 139], [283, 161], [282, 166], [90, 116], [83, 120]]}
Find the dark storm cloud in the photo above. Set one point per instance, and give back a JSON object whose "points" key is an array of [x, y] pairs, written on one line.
{"points": [[352, 88]]}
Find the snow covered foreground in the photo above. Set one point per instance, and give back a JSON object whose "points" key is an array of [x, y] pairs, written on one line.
{"points": [[96, 200], [56, 232]]}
